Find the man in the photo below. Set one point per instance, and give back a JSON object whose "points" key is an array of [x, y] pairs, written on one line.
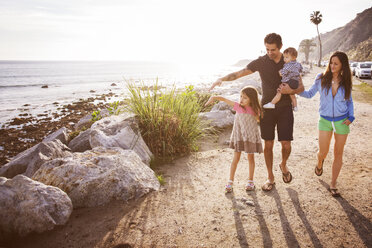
{"points": [[282, 116]]}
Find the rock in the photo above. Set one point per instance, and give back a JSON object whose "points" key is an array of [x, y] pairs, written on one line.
{"points": [[96, 177], [221, 106], [92, 91], [86, 122], [219, 119], [120, 131], [44, 86], [30, 160], [114, 84], [28, 206], [60, 134], [81, 142]]}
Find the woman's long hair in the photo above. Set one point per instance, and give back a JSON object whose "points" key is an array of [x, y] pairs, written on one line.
{"points": [[252, 93], [345, 74]]}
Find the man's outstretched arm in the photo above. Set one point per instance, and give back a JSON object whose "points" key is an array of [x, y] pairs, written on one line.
{"points": [[231, 77]]}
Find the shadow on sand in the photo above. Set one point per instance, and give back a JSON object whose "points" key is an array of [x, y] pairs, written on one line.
{"points": [[296, 203], [267, 241], [266, 238], [290, 238], [362, 225], [238, 221]]}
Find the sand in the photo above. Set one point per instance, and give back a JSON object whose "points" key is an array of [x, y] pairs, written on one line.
{"points": [[192, 210]]}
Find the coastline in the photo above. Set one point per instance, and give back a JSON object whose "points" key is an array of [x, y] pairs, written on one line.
{"points": [[191, 209], [27, 130]]}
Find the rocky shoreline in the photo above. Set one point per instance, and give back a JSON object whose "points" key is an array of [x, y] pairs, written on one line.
{"points": [[25, 131]]}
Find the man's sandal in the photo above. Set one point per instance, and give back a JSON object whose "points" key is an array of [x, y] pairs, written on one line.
{"points": [[318, 171], [287, 177], [334, 192], [229, 186], [250, 185], [268, 185]]}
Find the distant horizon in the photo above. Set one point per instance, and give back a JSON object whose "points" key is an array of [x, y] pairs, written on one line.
{"points": [[117, 61]]}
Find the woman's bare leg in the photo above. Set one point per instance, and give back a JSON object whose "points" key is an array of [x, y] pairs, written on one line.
{"points": [[324, 142], [340, 140]]}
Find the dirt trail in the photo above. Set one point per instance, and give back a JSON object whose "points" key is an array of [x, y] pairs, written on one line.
{"points": [[191, 210]]}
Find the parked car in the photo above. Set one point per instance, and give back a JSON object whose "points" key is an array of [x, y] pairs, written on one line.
{"points": [[363, 70], [353, 67]]}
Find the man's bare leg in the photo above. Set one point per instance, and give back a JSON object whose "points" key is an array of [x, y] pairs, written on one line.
{"points": [[268, 153], [286, 151]]}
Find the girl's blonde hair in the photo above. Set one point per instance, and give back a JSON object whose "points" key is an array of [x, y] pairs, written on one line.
{"points": [[252, 93]]}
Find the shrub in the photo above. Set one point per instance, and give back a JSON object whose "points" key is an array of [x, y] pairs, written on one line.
{"points": [[114, 108], [96, 116], [168, 121]]}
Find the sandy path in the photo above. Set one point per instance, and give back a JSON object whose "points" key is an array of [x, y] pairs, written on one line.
{"points": [[191, 210]]}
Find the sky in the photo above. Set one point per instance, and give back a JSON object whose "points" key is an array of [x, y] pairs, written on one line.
{"points": [[182, 31]]}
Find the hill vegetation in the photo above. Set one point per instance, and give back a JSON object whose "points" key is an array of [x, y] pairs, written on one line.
{"points": [[354, 38]]}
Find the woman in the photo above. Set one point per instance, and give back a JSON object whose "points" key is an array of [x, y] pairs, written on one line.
{"points": [[336, 112]]}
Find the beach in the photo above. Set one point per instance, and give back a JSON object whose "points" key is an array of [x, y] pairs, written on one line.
{"points": [[74, 89], [192, 210]]}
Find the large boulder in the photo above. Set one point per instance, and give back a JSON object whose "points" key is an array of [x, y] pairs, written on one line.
{"points": [[81, 142], [28, 206], [98, 176], [219, 119], [30, 160], [60, 134], [84, 122], [114, 131]]}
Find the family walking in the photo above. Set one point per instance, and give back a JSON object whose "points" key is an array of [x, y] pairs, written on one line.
{"points": [[280, 77]]}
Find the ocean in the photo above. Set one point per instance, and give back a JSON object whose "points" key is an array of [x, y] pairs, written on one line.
{"points": [[21, 81]]}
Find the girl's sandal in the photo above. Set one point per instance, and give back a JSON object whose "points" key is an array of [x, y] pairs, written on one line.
{"points": [[229, 187], [250, 185]]}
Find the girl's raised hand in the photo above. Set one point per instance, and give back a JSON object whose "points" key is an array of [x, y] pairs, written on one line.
{"points": [[210, 101]]}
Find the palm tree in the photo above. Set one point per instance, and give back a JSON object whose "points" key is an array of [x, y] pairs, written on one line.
{"points": [[316, 18], [306, 48]]}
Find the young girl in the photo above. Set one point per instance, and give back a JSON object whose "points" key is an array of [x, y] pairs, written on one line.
{"points": [[245, 135], [336, 112]]}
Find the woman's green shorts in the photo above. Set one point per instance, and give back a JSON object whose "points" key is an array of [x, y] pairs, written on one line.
{"points": [[335, 126]]}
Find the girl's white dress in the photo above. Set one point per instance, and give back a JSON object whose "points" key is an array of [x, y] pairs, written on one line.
{"points": [[245, 135]]}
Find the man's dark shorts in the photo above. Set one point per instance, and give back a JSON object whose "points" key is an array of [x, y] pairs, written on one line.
{"points": [[282, 117]]}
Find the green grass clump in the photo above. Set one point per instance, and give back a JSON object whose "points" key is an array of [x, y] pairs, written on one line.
{"points": [[168, 120], [160, 179], [96, 116]]}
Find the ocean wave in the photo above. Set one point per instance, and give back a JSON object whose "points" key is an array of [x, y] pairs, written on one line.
{"points": [[22, 85]]}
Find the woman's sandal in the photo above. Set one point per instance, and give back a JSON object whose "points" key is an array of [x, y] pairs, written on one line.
{"points": [[268, 185], [334, 192], [287, 177], [229, 186], [318, 171], [250, 185]]}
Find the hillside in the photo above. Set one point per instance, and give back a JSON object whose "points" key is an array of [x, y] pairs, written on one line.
{"points": [[362, 52], [351, 38]]}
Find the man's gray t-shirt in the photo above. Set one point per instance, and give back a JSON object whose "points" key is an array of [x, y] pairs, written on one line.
{"points": [[269, 73]]}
